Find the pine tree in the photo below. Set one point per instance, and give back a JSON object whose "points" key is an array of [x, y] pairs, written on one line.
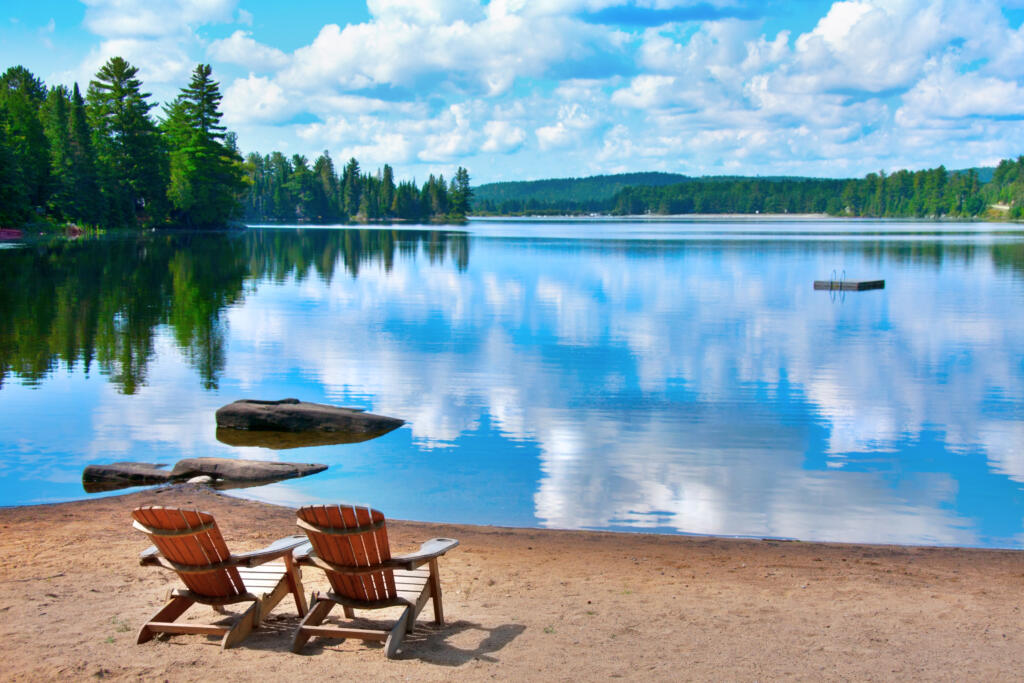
{"points": [[55, 114], [83, 204], [351, 187], [22, 95], [325, 189], [387, 191], [130, 158], [14, 205], [300, 186], [460, 194], [205, 171]]}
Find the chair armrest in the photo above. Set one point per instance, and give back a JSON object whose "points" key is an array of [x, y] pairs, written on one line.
{"points": [[303, 552], [278, 548], [149, 556], [429, 550]]}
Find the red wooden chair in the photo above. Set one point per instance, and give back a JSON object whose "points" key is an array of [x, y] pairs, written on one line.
{"points": [[189, 543], [350, 544]]}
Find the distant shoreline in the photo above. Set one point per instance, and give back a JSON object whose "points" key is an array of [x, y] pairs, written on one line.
{"points": [[771, 216]]}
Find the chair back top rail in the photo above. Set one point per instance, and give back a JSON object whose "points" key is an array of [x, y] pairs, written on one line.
{"points": [[351, 536], [191, 543]]}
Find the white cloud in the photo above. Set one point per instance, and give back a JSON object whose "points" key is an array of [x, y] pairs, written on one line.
{"points": [[502, 136], [240, 48], [426, 11], [154, 18], [255, 98], [160, 61], [574, 122], [648, 91], [870, 85], [944, 93]]}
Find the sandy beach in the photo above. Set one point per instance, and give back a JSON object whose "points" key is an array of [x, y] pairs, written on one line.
{"points": [[525, 604]]}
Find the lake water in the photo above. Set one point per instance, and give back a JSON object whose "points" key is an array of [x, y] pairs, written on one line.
{"points": [[664, 375]]}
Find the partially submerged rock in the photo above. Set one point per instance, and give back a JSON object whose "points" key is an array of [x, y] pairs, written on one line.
{"points": [[292, 415], [283, 440], [231, 469], [120, 475], [220, 473]]}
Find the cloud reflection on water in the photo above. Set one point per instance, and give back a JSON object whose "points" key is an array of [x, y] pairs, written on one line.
{"points": [[693, 388], [698, 386]]}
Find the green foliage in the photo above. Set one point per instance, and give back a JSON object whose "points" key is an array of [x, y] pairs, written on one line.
{"points": [[1007, 187], [56, 118], [282, 190], [205, 171], [562, 195], [460, 194], [131, 159], [14, 204], [933, 193], [22, 96], [104, 160]]}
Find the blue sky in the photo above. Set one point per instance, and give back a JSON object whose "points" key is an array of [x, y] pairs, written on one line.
{"points": [[516, 89]]}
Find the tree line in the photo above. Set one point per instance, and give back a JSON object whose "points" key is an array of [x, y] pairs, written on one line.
{"points": [[570, 195], [283, 190], [932, 193], [105, 159]]}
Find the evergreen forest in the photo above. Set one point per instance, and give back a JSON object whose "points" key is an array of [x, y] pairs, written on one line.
{"points": [[931, 193], [106, 159]]}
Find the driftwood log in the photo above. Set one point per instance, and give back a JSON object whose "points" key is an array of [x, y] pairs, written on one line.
{"points": [[292, 415]]}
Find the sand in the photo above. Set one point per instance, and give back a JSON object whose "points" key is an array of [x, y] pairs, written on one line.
{"points": [[525, 604]]}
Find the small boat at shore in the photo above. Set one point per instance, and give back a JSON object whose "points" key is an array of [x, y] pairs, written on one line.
{"points": [[11, 234]]}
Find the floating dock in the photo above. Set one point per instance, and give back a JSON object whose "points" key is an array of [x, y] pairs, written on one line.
{"points": [[849, 285]]}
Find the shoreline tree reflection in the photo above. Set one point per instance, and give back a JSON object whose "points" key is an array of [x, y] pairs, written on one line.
{"points": [[100, 303]]}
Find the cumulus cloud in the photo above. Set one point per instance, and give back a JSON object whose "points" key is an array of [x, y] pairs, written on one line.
{"points": [[426, 11], [240, 48], [130, 19], [158, 36], [502, 136], [704, 89], [573, 124], [255, 98]]}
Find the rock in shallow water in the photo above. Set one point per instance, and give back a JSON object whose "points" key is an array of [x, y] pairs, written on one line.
{"points": [[292, 415], [243, 470], [221, 473]]}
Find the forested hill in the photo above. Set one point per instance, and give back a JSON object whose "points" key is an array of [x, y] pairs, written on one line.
{"points": [[105, 160], [583, 193], [994, 192]]}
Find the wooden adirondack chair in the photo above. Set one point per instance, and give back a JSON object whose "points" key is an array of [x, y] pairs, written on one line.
{"points": [[189, 543], [350, 544]]}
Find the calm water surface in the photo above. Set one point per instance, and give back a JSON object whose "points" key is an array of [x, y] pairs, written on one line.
{"points": [[674, 376]]}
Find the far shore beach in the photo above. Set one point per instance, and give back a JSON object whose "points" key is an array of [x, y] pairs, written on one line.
{"points": [[525, 604]]}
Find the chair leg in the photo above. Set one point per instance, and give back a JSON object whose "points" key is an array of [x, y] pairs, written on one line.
{"points": [[242, 627], [171, 610], [314, 617], [397, 633], [294, 577], [435, 590]]}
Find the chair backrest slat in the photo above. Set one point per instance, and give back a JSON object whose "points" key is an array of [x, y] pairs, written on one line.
{"points": [[193, 549], [367, 548], [336, 547]]}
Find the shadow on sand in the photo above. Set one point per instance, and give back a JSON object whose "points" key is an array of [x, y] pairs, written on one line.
{"points": [[429, 642]]}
